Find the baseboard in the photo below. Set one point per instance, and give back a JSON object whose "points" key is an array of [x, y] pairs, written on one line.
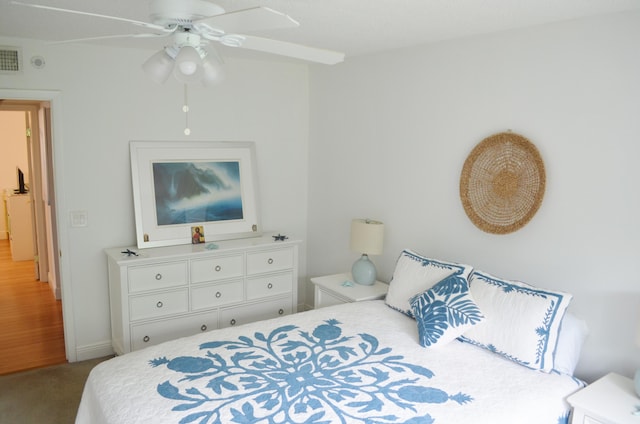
{"points": [[55, 288], [98, 350]]}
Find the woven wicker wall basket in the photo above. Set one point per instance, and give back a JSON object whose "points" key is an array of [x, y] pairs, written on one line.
{"points": [[502, 183]]}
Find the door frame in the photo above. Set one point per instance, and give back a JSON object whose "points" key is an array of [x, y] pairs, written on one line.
{"points": [[54, 98], [37, 184]]}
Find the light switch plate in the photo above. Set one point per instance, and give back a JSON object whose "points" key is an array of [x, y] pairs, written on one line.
{"points": [[79, 219]]}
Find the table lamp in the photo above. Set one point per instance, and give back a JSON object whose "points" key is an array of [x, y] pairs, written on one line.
{"points": [[366, 238]]}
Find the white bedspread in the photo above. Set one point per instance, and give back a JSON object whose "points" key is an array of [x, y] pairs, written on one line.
{"points": [[353, 363]]}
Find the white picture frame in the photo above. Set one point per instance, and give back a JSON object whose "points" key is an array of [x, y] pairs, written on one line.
{"points": [[180, 185]]}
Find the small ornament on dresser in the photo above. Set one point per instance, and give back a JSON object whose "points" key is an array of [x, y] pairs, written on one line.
{"points": [[197, 234], [129, 252], [280, 237]]}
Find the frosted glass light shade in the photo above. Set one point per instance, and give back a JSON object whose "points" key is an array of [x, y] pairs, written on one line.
{"points": [[212, 73], [158, 67], [188, 66]]}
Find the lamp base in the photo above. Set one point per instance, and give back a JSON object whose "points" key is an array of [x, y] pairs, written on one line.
{"points": [[364, 271]]}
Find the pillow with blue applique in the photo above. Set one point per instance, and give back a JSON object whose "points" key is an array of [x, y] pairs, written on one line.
{"points": [[445, 311]]}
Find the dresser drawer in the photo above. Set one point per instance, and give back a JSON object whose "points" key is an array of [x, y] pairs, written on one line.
{"points": [[269, 285], [143, 335], [258, 311], [157, 276], [218, 268], [272, 260], [214, 295], [156, 305]]}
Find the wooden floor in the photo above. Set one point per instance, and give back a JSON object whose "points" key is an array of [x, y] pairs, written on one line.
{"points": [[31, 330]]}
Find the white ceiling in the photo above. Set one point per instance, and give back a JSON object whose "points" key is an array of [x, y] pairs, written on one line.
{"points": [[354, 27]]}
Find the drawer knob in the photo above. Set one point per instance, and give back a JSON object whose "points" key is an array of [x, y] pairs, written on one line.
{"points": [[203, 328], [159, 304], [146, 339], [218, 294], [281, 311], [218, 268], [269, 286], [270, 261], [232, 322], [158, 276]]}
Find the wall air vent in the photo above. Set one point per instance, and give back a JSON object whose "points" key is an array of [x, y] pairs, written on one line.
{"points": [[10, 60]]}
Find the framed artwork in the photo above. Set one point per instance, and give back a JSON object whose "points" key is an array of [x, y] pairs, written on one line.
{"points": [[181, 186]]}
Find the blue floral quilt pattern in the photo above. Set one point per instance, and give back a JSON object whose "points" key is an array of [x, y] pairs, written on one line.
{"points": [[296, 376]]}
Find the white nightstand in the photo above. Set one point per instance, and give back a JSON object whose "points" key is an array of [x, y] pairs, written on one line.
{"points": [[332, 290], [610, 400]]}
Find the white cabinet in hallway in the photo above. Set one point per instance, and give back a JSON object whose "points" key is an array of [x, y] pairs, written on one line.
{"points": [[20, 227]]}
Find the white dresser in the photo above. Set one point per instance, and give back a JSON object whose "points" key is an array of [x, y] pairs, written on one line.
{"points": [[170, 292]]}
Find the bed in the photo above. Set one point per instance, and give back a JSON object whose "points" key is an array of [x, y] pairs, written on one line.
{"points": [[366, 362]]}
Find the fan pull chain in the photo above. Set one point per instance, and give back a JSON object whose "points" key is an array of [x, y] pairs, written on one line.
{"points": [[185, 109]]}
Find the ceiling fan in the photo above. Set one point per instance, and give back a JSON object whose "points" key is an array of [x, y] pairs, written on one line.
{"points": [[192, 25]]}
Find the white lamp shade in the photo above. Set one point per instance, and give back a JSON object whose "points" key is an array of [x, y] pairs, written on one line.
{"points": [[367, 236], [212, 73], [158, 67], [188, 66]]}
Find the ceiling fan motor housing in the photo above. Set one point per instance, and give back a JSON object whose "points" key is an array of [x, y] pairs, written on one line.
{"points": [[186, 39], [180, 12]]}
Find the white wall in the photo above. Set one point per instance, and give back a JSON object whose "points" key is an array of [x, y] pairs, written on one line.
{"points": [[390, 133], [105, 101]]}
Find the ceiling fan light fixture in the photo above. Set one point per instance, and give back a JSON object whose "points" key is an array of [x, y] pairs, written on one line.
{"points": [[159, 66], [188, 66], [212, 72]]}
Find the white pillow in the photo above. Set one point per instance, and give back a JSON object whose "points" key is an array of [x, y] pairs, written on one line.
{"points": [[445, 311], [415, 274], [522, 322], [573, 332]]}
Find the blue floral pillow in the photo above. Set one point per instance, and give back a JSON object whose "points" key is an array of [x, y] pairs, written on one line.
{"points": [[523, 321], [445, 311], [415, 273]]}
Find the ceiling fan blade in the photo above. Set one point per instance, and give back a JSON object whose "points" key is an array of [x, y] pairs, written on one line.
{"points": [[97, 15], [108, 37], [283, 48], [248, 20]]}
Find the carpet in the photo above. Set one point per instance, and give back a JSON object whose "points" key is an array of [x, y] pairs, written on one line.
{"points": [[45, 395]]}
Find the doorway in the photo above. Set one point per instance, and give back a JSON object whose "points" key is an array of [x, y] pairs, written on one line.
{"points": [[37, 166]]}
